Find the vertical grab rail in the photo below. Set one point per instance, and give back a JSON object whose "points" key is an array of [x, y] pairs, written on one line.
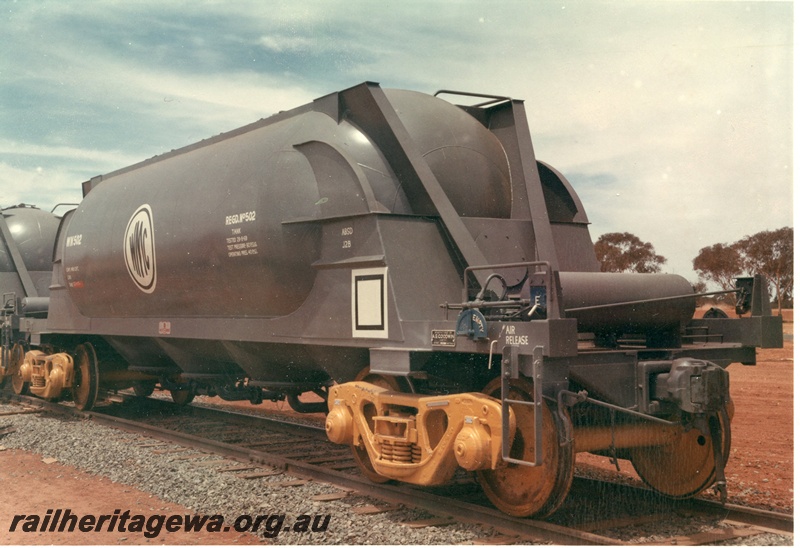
{"points": [[9, 310], [510, 362], [510, 370]]}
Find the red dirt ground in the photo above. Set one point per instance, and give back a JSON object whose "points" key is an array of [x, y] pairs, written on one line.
{"points": [[760, 469], [761, 465], [759, 472], [30, 486]]}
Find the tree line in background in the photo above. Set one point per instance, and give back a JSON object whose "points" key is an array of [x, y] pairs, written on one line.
{"points": [[770, 253]]}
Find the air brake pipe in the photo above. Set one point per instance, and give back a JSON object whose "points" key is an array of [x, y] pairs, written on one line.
{"points": [[525, 302], [645, 301], [582, 396]]}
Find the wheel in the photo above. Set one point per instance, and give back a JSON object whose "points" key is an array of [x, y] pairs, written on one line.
{"points": [[684, 467], [144, 388], [15, 356], [20, 387], [714, 312], [86, 383], [360, 453], [182, 397], [521, 490]]}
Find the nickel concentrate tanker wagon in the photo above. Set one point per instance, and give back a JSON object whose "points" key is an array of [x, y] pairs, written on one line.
{"points": [[407, 259]]}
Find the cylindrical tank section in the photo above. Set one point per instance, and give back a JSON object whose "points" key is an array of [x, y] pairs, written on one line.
{"points": [[216, 229], [467, 159], [200, 233], [605, 302], [33, 234]]}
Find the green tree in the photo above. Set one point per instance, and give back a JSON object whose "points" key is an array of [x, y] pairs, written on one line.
{"points": [[624, 252], [719, 264], [771, 253]]}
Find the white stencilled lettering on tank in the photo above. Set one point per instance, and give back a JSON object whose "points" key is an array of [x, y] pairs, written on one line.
{"points": [[246, 217], [140, 250]]}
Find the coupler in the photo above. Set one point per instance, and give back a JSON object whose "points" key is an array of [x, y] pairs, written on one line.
{"points": [[418, 439]]}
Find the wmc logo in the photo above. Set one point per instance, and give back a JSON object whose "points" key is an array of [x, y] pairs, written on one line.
{"points": [[140, 249]]}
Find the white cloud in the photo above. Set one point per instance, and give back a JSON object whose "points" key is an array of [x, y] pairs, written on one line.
{"points": [[42, 187], [681, 108], [98, 157], [284, 43]]}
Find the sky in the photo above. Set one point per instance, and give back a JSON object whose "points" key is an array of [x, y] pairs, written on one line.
{"points": [[671, 119]]}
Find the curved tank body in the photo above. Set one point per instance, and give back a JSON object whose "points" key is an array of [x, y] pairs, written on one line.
{"points": [[33, 234], [204, 233], [231, 229], [288, 250], [396, 239]]}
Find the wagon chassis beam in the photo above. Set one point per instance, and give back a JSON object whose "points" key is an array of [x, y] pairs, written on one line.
{"points": [[533, 367], [511, 370]]}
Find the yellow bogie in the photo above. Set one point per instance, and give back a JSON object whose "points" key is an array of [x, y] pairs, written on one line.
{"points": [[416, 439], [44, 375]]}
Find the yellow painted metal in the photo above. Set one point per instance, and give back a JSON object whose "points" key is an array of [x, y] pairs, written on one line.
{"points": [[47, 374], [685, 466], [339, 425], [473, 446], [18, 356], [359, 452], [417, 439], [624, 436], [521, 490], [15, 357]]}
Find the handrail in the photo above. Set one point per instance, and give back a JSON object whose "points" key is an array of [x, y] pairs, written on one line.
{"points": [[469, 269], [494, 98]]}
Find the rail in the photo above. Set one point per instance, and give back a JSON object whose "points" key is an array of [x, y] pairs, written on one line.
{"points": [[515, 529], [462, 511]]}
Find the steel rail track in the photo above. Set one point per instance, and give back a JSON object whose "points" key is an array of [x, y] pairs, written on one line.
{"points": [[768, 520], [765, 519], [396, 493], [457, 510]]}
